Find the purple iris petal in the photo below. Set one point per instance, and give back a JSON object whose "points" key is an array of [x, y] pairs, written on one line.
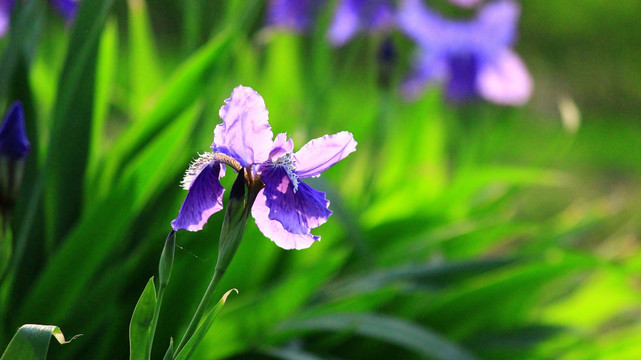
{"points": [[275, 231], [506, 80], [13, 135], [353, 16], [245, 133], [471, 55], [296, 15], [205, 197], [281, 146], [320, 154], [66, 8], [298, 211], [5, 15]]}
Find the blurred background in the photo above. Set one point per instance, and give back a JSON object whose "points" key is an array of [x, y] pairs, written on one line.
{"points": [[461, 229]]}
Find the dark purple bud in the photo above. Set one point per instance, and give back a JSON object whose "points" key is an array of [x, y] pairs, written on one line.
{"points": [[13, 136]]}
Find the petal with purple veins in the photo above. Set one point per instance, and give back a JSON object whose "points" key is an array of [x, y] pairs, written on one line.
{"points": [[275, 231], [205, 197], [245, 133], [282, 145], [298, 211], [320, 154], [497, 22], [505, 81]]}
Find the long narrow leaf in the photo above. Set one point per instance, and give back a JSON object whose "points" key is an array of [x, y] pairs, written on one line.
{"points": [[31, 342], [202, 329]]}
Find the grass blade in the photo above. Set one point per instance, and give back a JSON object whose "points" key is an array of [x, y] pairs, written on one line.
{"points": [[140, 328]]}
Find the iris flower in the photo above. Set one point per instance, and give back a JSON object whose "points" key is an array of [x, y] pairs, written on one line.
{"points": [[296, 15], [353, 16], [475, 58], [286, 209], [14, 143]]}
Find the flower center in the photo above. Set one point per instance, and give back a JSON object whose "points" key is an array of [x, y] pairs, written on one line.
{"points": [[287, 163]]}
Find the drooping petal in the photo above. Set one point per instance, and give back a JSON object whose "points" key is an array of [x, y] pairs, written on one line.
{"points": [[5, 15], [295, 15], [66, 8], [505, 81], [275, 231], [462, 82], [282, 145], [13, 135], [320, 154], [245, 133], [205, 197], [298, 211]]}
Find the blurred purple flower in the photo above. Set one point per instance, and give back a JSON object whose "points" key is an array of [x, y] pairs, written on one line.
{"points": [[66, 8], [5, 15], [286, 209], [14, 143], [353, 16], [296, 15], [474, 57]]}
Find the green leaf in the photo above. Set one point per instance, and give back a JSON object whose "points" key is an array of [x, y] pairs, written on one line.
{"points": [[140, 328], [71, 128], [23, 37], [182, 89], [31, 342], [137, 185], [202, 329], [170, 350], [144, 75], [385, 328], [105, 75]]}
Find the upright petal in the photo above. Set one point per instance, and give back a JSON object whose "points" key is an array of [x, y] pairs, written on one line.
{"points": [[245, 133], [321, 153], [282, 145], [505, 81], [498, 21], [205, 197], [423, 26], [13, 135], [275, 231], [298, 211]]}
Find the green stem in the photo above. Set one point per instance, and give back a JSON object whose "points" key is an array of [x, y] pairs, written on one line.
{"points": [[202, 308]]}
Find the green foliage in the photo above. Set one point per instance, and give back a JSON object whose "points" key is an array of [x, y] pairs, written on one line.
{"points": [[31, 342], [459, 231]]}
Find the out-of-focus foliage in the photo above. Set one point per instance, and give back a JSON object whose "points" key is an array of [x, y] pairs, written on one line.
{"points": [[470, 231]]}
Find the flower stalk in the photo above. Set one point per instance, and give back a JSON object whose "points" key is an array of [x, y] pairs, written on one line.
{"points": [[231, 234]]}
